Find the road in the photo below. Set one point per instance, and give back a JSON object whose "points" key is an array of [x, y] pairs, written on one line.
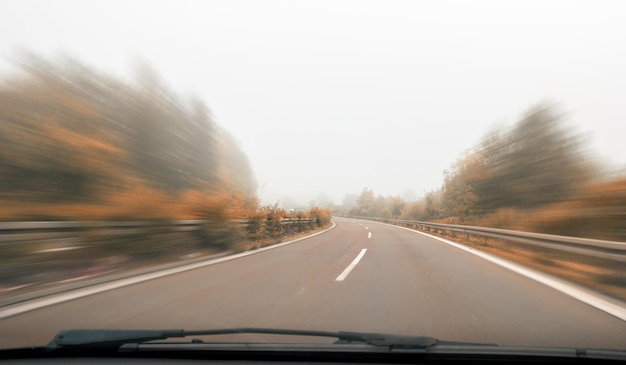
{"points": [[403, 283]]}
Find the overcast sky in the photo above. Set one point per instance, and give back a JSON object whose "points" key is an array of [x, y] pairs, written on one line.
{"points": [[334, 96]]}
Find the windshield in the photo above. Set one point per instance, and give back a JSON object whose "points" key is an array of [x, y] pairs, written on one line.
{"points": [[451, 169]]}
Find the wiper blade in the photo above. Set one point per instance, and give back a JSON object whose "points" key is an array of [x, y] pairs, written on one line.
{"points": [[380, 339], [108, 338], [101, 338], [132, 340]]}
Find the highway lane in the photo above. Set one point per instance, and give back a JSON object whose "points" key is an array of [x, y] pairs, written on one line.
{"points": [[404, 283]]}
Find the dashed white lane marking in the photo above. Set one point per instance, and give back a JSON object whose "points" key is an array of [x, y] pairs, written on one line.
{"points": [[354, 262], [369, 234], [367, 228]]}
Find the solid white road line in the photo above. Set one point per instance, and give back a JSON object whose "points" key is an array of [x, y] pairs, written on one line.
{"points": [[19, 308], [602, 302], [351, 266]]}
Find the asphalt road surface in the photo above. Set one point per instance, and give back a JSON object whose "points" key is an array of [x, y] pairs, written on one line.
{"points": [[359, 276]]}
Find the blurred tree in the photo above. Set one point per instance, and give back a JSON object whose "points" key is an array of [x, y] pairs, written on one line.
{"points": [[56, 145], [69, 134], [397, 204], [538, 161], [365, 204], [234, 166]]}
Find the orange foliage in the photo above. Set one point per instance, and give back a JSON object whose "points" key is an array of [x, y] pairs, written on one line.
{"points": [[599, 212], [81, 145], [218, 205]]}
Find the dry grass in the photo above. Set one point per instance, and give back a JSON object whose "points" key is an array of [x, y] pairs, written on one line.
{"points": [[598, 212], [602, 276], [136, 202], [268, 241]]}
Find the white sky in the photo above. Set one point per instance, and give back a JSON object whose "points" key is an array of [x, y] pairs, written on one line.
{"points": [[334, 96]]}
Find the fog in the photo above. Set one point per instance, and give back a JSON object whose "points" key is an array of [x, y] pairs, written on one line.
{"points": [[329, 97]]}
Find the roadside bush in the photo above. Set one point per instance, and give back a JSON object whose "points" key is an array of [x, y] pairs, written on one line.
{"points": [[322, 216]]}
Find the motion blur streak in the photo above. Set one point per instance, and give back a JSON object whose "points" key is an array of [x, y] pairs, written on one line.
{"points": [[78, 144], [536, 176]]}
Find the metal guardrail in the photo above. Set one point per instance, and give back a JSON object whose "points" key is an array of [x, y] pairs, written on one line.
{"points": [[610, 250], [33, 254], [18, 232]]}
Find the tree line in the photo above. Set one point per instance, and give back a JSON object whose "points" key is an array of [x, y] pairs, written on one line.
{"points": [[535, 175], [76, 143]]}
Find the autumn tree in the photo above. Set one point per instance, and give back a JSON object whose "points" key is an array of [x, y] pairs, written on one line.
{"points": [[536, 162], [71, 134], [370, 205], [56, 141]]}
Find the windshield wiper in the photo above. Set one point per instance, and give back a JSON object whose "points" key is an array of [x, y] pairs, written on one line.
{"points": [[103, 338], [124, 341]]}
